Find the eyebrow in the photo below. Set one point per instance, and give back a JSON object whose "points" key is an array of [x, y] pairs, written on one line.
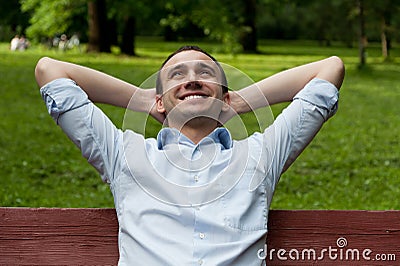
{"points": [[176, 67], [204, 65], [181, 66]]}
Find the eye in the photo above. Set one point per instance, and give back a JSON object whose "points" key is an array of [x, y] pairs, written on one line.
{"points": [[206, 72], [176, 74]]}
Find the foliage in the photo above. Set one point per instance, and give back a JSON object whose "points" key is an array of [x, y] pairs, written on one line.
{"points": [[212, 17], [51, 17], [12, 20], [325, 21], [126, 14], [353, 163], [228, 22], [122, 8]]}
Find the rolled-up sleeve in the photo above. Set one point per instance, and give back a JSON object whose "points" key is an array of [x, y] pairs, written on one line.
{"points": [[62, 95], [85, 124], [321, 94]]}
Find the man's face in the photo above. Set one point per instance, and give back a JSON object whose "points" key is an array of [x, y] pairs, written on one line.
{"points": [[192, 89]]}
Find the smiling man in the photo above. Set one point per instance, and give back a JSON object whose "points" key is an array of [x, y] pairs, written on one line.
{"points": [[193, 195], [195, 92]]}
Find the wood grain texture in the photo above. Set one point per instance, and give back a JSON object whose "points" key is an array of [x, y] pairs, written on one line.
{"points": [[53, 236], [336, 237], [58, 236]]}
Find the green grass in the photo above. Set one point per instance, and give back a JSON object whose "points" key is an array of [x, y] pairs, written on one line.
{"points": [[353, 163]]}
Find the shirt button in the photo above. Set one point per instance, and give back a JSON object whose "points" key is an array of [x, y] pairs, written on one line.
{"points": [[200, 262], [196, 178], [202, 235]]}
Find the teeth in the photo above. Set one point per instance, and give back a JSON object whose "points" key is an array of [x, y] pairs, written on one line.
{"points": [[193, 97]]}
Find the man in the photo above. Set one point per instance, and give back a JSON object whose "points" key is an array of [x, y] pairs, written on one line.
{"points": [[193, 196]]}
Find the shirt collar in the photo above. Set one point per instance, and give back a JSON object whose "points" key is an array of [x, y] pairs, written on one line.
{"points": [[172, 136]]}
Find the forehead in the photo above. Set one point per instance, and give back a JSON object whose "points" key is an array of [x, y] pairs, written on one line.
{"points": [[187, 56]]}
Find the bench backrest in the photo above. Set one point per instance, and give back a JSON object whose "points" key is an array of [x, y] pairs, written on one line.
{"points": [[54, 236]]}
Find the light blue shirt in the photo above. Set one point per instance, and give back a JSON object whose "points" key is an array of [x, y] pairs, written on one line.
{"points": [[180, 203]]}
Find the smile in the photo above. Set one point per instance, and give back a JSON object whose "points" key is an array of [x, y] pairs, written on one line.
{"points": [[190, 97]]}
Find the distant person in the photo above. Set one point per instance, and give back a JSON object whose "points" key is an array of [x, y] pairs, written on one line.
{"points": [[74, 42], [54, 42], [14, 43], [193, 195], [23, 43], [63, 42]]}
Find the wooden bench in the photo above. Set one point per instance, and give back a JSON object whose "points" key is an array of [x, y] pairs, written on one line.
{"points": [[54, 236]]}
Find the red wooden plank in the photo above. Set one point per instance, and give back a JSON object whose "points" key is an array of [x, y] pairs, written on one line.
{"points": [[333, 238], [58, 236], [52, 236]]}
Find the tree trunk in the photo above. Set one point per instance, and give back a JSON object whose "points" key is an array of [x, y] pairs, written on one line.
{"points": [[98, 27], [385, 36], [94, 28], [128, 36], [169, 34], [385, 51], [362, 42], [248, 37]]}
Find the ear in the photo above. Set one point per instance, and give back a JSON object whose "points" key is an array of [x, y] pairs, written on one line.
{"points": [[227, 102], [160, 104]]}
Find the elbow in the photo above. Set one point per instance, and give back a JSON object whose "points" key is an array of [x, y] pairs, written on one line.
{"points": [[338, 69], [338, 65], [41, 70]]}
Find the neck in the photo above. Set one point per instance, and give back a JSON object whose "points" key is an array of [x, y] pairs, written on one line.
{"points": [[197, 129]]}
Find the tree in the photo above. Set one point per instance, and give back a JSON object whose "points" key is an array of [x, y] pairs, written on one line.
{"points": [[384, 13], [99, 40], [250, 38], [51, 17], [126, 13], [231, 22], [246, 23], [362, 36], [12, 20], [280, 19]]}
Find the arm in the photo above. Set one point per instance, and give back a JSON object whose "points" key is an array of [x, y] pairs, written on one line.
{"points": [[100, 87], [283, 86]]}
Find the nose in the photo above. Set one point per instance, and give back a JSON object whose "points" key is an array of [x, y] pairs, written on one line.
{"points": [[193, 85]]}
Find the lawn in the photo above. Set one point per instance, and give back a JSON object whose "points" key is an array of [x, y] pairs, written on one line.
{"points": [[353, 163]]}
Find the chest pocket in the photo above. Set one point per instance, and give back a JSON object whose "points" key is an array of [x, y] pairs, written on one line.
{"points": [[246, 210]]}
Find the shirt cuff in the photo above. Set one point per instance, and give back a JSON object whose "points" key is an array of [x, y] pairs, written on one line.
{"points": [[62, 95], [320, 93]]}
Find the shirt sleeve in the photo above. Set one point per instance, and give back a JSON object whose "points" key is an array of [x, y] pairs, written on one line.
{"points": [[297, 125], [85, 124]]}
